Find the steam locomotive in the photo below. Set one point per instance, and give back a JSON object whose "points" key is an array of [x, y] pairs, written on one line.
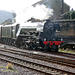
{"points": [[54, 35]]}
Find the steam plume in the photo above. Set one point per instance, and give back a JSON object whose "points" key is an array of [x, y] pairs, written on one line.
{"points": [[38, 12]]}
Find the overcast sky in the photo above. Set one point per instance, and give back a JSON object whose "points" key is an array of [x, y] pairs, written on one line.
{"points": [[18, 5], [71, 3]]}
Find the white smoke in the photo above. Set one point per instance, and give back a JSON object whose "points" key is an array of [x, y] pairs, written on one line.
{"points": [[24, 9], [38, 12]]}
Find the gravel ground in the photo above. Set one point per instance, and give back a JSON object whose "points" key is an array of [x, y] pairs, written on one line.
{"points": [[16, 70]]}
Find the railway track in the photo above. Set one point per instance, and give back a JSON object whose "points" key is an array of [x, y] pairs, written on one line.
{"points": [[47, 57], [48, 64], [71, 55], [29, 63]]}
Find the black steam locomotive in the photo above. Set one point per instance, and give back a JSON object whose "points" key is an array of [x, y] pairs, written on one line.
{"points": [[55, 35]]}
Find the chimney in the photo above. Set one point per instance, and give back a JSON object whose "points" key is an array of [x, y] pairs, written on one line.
{"points": [[62, 6]]}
